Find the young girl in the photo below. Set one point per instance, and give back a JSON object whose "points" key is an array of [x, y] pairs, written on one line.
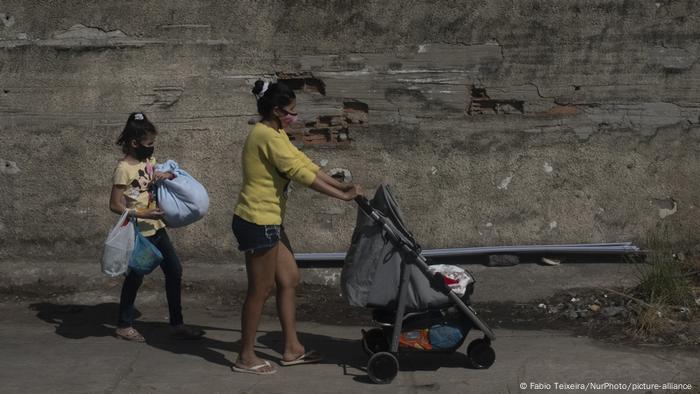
{"points": [[270, 162], [131, 190]]}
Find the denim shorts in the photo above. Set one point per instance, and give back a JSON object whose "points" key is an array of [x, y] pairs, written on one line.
{"points": [[253, 237]]}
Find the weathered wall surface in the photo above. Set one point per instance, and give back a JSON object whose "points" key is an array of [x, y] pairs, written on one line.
{"points": [[494, 121]]}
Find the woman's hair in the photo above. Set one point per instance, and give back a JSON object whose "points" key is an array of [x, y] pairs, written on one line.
{"points": [[137, 126], [271, 95]]}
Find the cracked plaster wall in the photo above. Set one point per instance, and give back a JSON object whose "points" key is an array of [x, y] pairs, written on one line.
{"points": [[491, 120]]}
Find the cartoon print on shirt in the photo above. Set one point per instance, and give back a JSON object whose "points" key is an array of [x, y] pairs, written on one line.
{"points": [[140, 184]]}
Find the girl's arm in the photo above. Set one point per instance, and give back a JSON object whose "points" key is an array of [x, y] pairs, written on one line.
{"points": [[117, 204], [159, 176]]}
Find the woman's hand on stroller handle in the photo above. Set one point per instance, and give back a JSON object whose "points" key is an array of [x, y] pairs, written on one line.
{"points": [[363, 202], [353, 192]]}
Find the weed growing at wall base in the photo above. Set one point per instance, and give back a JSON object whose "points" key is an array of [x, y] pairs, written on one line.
{"points": [[665, 279], [666, 287]]}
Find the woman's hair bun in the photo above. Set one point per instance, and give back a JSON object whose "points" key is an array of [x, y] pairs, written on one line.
{"points": [[259, 86], [270, 95]]}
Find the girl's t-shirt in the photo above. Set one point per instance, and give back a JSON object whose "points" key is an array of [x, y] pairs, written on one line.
{"points": [[138, 179]]}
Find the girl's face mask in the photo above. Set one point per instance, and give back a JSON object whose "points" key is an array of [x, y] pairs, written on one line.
{"points": [[143, 152], [144, 148]]}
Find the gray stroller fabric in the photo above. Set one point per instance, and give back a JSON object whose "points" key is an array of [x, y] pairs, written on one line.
{"points": [[371, 272]]}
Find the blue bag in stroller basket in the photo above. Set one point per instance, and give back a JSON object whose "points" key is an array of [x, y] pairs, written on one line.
{"points": [[447, 335]]}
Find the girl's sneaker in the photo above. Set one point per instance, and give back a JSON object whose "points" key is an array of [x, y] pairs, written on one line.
{"points": [[186, 332]]}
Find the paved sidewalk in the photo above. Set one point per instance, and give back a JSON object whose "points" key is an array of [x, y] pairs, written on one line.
{"points": [[57, 347]]}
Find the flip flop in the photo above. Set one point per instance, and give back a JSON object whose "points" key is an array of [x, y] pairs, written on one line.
{"points": [[309, 357], [255, 370], [129, 334]]}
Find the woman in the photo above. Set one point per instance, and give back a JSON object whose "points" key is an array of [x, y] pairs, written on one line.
{"points": [[270, 163]]}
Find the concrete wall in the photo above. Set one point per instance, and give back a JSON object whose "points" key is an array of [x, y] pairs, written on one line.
{"points": [[494, 121]]}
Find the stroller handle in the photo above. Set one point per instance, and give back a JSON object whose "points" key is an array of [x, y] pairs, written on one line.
{"points": [[363, 202], [379, 219]]}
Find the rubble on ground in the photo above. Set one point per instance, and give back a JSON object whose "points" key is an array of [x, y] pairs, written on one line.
{"points": [[605, 314]]}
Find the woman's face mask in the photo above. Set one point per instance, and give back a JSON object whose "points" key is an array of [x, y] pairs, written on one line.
{"points": [[288, 118]]}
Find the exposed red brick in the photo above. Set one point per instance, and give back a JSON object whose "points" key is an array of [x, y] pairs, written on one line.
{"points": [[303, 81], [329, 130], [563, 110]]}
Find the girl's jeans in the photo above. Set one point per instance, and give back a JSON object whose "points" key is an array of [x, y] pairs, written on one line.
{"points": [[173, 277]]}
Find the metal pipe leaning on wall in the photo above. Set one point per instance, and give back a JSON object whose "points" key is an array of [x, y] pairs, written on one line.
{"points": [[619, 248]]}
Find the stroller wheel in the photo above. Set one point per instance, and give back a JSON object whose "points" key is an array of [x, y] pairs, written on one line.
{"points": [[382, 367], [374, 341], [476, 342], [480, 354]]}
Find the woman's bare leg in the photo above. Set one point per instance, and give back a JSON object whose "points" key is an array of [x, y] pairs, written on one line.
{"points": [[287, 279], [260, 268]]}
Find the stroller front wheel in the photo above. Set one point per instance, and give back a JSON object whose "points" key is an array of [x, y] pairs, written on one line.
{"points": [[477, 341], [382, 367], [480, 354]]}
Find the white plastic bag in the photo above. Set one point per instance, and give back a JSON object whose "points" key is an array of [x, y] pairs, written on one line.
{"points": [[183, 199], [118, 247], [456, 278]]}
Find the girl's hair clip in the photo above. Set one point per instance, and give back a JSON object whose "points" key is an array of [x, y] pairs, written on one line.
{"points": [[138, 116]]}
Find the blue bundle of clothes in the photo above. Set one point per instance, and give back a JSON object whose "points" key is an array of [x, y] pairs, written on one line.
{"points": [[182, 199]]}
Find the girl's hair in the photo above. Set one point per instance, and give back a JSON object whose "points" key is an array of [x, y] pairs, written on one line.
{"points": [[277, 95], [137, 126]]}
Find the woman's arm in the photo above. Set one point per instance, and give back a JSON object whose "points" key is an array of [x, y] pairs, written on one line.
{"points": [[299, 168], [334, 182], [346, 195]]}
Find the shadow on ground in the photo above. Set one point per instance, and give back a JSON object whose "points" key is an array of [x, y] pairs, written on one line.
{"points": [[348, 353], [75, 321], [84, 321]]}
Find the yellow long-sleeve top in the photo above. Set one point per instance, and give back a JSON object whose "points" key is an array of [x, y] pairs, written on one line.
{"points": [[270, 162]]}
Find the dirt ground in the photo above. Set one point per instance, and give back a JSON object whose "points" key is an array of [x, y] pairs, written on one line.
{"points": [[598, 314], [603, 315]]}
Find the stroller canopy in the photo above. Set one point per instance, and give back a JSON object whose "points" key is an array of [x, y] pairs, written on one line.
{"points": [[371, 272]]}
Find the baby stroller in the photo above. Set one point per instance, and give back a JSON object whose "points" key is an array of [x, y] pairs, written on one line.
{"points": [[413, 305]]}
